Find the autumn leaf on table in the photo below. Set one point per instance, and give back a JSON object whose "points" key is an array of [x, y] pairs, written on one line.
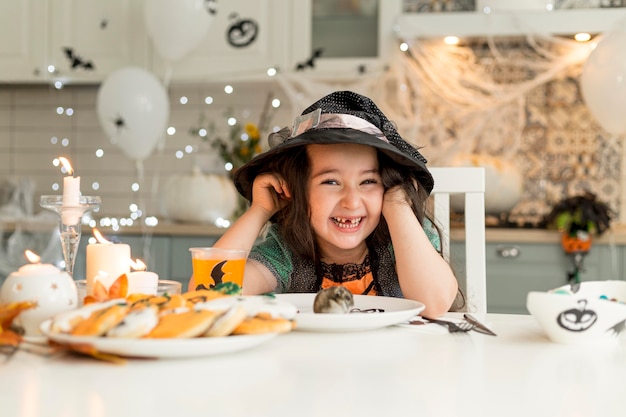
{"points": [[119, 289], [88, 350], [8, 312]]}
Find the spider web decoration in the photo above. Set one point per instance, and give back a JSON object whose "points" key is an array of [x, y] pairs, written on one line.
{"points": [[517, 99]]}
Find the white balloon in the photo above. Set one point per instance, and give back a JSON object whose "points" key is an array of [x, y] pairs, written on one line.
{"points": [[603, 82], [176, 26], [133, 109], [504, 183]]}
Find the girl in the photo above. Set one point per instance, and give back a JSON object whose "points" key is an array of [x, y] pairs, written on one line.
{"points": [[345, 197]]}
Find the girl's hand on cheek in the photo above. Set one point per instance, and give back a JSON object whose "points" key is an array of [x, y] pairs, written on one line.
{"points": [[395, 197], [270, 193]]}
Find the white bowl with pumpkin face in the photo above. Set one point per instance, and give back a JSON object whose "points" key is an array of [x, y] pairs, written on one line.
{"points": [[593, 313]]}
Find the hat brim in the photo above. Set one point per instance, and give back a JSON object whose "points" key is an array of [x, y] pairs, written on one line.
{"points": [[244, 176]]}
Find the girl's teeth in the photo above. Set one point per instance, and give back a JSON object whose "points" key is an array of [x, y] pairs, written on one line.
{"points": [[347, 223]]}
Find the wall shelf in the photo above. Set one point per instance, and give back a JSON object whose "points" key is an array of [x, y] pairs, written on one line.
{"points": [[510, 23]]}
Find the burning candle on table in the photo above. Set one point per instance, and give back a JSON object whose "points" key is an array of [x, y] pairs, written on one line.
{"points": [[142, 281], [53, 291], [71, 194], [35, 267], [106, 261]]}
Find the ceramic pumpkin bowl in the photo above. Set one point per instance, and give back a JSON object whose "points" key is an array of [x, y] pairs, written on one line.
{"points": [[595, 313]]}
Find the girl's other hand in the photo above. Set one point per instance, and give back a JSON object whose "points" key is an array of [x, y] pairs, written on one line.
{"points": [[396, 195], [270, 193]]}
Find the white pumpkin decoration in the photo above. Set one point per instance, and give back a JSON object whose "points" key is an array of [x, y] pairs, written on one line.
{"points": [[503, 182], [199, 197]]}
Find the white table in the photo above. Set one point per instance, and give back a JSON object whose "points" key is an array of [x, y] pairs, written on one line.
{"points": [[389, 372]]}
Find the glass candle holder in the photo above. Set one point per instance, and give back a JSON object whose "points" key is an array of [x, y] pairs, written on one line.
{"points": [[70, 223]]}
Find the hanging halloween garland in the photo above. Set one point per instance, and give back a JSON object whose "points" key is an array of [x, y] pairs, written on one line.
{"points": [[76, 61], [211, 6], [310, 63], [241, 32]]}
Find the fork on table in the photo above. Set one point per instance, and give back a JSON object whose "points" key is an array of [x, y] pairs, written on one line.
{"points": [[453, 327]]}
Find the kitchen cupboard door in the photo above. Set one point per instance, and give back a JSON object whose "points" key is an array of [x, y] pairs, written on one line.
{"points": [[245, 39], [337, 40], [22, 40], [89, 39], [515, 269]]}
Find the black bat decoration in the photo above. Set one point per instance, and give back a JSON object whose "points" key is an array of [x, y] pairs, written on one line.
{"points": [[77, 61], [310, 63], [211, 6], [217, 274], [242, 32]]}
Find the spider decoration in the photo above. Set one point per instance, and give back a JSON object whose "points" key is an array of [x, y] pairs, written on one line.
{"points": [[77, 61], [104, 23], [119, 122], [242, 32], [211, 6], [310, 63]]}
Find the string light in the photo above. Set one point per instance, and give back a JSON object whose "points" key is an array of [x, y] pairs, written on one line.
{"points": [[582, 37]]}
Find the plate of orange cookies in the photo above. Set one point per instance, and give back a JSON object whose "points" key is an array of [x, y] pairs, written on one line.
{"points": [[197, 323]]}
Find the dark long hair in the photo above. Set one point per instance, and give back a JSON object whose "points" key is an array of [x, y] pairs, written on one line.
{"points": [[293, 220]]}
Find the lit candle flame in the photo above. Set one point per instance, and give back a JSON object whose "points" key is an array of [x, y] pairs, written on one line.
{"points": [[99, 237], [66, 164], [32, 256], [138, 265]]}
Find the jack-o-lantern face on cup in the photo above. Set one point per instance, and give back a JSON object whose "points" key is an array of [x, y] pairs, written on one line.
{"points": [[577, 319]]}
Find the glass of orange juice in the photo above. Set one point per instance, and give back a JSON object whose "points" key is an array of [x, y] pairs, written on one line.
{"points": [[213, 266]]}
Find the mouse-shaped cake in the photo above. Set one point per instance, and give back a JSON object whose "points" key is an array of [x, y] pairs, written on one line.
{"points": [[333, 300]]}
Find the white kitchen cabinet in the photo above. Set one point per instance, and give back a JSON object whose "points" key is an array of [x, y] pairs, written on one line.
{"points": [[104, 35], [510, 18], [246, 38], [22, 38], [109, 34], [323, 25]]}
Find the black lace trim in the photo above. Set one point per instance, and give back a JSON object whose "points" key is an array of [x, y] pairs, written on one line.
{"points": [[348, 272]]}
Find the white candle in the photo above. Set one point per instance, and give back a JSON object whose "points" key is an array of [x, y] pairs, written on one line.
{"points": [[111, 259], [37, 269], [143, 282], [71, 191], [71, 195]]}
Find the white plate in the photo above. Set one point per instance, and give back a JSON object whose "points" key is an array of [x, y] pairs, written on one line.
{"points": [[162, 348], [396, 310]]}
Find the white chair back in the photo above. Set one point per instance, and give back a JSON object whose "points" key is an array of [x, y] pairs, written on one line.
{"points": [[469, 181]]}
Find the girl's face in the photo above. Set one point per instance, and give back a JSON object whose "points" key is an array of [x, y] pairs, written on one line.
{"points": [[345, 198]]}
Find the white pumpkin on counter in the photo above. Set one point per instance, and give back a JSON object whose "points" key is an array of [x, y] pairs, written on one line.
{"points": [[503, 182], [199, 197]]}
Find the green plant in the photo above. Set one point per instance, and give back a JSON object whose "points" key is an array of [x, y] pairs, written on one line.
{"points": [[580, 213]]}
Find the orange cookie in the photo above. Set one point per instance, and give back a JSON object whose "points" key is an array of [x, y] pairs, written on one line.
{"points": [[199, 296], [226, 323], [188, 324], [66, 321], [260, 325], [138, 322], [99, 322], [175, 301]]}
